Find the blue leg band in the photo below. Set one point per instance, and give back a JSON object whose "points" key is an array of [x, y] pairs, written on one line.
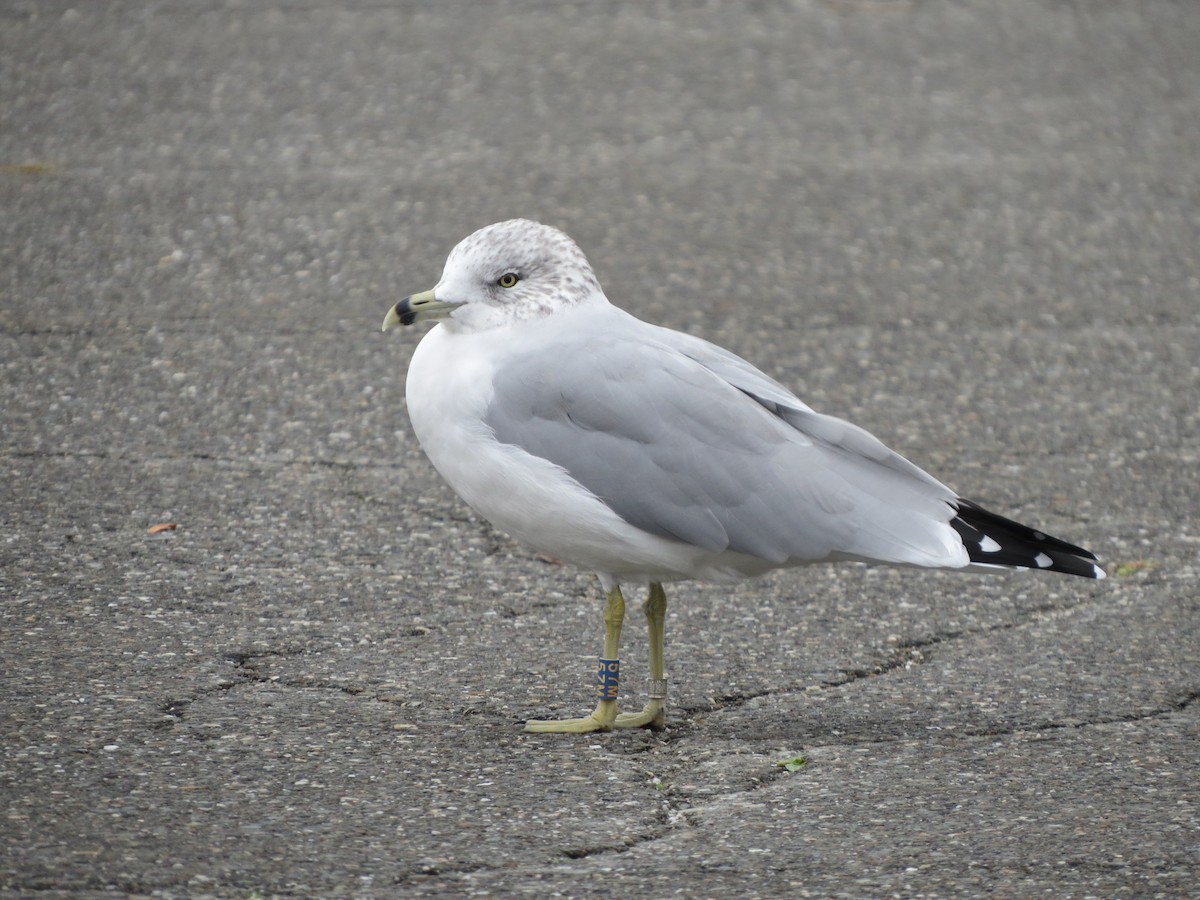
{"points": [[608, 678]]}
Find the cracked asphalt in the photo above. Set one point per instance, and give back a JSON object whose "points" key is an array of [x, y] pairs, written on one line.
{"points": [[970, 227]]}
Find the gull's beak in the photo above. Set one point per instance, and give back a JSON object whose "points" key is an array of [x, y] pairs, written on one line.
{"points": [[417, 308]]}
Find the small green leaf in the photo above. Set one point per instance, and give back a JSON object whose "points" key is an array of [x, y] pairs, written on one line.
{"points": [[1125, 569], [793, 764]]}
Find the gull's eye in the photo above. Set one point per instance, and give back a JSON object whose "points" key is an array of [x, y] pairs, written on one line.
{"points": [[508, 279]]}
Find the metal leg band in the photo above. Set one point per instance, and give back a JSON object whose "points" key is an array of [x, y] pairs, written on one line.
{"points": [[658, 689]]}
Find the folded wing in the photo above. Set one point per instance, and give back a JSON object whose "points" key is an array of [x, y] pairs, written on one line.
{"points": [[686, 441]]}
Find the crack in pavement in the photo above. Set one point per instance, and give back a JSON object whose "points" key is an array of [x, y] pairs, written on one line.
{"points": [[678, 812], [175, 709], [689, 815], [1157, 713], [1032, 728], [243, 461], [668, 822], [181, 324], [127, 887], [249, 674], [906, 654]]}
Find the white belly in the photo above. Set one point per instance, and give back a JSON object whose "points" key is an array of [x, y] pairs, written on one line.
{"points": [[528, 497]]}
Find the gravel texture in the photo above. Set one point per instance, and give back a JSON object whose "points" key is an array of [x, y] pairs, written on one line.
{"points": [[969, 226]]}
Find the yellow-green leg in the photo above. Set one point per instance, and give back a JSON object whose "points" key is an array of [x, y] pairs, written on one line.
{"points": [[605, 714], [654, 714]]}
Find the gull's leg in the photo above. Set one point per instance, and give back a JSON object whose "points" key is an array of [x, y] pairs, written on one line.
{"points": [[654, 715], [605, 714]]}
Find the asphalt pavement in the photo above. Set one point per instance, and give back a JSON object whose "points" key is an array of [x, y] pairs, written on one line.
{"points": [[253, 647]]}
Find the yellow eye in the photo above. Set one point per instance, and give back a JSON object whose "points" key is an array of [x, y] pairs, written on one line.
{"points": [[508, 279]]}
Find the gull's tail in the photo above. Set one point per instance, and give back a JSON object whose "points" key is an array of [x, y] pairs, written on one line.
{"points": [[993, 541]]}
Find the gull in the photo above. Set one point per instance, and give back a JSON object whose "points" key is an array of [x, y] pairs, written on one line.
{"points": [[650, 456]]}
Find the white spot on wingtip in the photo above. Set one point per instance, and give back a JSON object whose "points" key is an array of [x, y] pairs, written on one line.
{"points": [[1099, 573], [988, 545], [1043, 561]]}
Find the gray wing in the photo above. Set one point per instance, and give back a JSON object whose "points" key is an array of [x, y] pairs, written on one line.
{"points": [[687, 441], [777, 398]]}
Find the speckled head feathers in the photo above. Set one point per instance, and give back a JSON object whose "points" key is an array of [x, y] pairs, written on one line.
{"points": [[549, 269]]}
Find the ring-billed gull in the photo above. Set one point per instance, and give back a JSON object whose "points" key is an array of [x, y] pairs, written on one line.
{"points": [[649, 456]]}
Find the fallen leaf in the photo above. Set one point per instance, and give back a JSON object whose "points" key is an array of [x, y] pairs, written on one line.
{"points": [[792, 765], [1125, 569], [161, 527], [29, 168]]}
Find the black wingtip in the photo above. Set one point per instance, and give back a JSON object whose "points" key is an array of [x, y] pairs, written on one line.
{"points": [[993, 540]]}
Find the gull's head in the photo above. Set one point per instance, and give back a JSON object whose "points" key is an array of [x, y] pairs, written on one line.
{"points": [[503, 273]]}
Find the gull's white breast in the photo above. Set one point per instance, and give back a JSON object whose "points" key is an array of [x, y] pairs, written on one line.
{"points": [[448, 390]]}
